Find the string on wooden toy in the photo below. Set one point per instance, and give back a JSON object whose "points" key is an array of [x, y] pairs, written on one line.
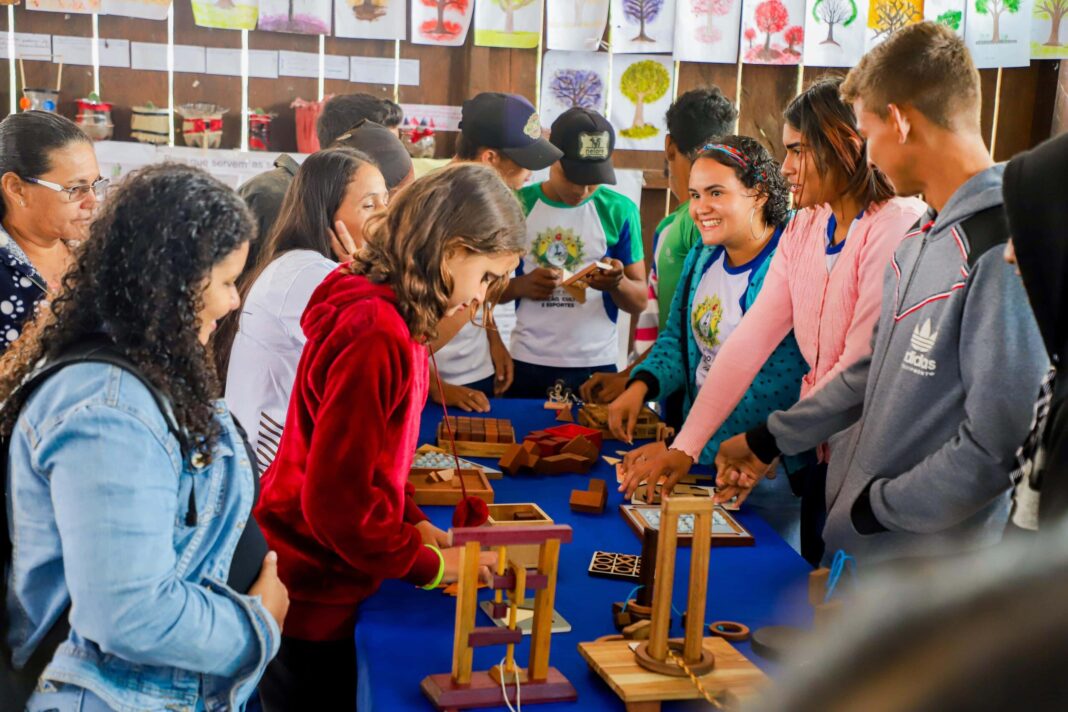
{"points": [[470, 511], [709, 697], [629, 597], [838, 567], [504, 691]]}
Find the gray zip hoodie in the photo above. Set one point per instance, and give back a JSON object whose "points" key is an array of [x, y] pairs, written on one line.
{"points": [[928, 425]]}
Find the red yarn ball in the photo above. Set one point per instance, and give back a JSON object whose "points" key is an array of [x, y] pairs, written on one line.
{"points": [[470, 512]]}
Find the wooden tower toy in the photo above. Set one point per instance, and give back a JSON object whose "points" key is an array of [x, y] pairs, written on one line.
{"points": [[465, 689]]}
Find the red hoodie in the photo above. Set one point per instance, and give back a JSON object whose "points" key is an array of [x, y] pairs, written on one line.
{"points": [[335, 504]]}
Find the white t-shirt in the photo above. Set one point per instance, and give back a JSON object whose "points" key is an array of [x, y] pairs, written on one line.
{"points": [[268, 344], [466, 358], [717, 308]]}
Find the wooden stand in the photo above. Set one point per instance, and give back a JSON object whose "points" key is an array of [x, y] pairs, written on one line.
{"points": [[466, 689], [662, 669]]}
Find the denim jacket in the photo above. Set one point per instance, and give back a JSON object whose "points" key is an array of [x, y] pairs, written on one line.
{"points": [[776, 386], [99, 494]]}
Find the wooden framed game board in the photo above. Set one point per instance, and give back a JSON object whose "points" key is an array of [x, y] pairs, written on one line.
{"points": [[726, 531]]}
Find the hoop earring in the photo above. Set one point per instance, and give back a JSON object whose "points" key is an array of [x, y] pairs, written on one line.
{"points": [[752, 232]]}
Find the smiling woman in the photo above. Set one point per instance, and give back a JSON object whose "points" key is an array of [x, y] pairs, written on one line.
{"points": [[50, 184]]}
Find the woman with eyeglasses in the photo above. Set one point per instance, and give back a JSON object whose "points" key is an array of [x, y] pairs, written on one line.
{"points": [[49, 186]]}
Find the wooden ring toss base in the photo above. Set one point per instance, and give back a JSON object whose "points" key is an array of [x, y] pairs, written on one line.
{"points": [[670, 667]]}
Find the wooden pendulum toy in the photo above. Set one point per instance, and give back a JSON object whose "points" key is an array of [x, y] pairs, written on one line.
{"points": [[506, 682], [647, 672]]}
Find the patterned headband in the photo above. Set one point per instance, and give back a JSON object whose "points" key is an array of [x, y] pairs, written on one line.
{"points": [[729, 150]]}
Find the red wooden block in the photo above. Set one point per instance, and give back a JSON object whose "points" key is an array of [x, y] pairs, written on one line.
{"points": [[484, 636], [506, 582], [572, 431], [497, 536]]}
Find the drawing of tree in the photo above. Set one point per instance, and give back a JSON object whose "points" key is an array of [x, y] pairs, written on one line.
{"points": [[770, 16], [711, 9], [370, 10], [578, 87], [995, 8], [509, 7], [834, 12], [888, 16], [643, 82], [440, 26], [1055, 10], [951, 19], [642, 12], [750, 34], [794, 36]]}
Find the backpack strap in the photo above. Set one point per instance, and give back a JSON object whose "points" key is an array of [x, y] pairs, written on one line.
{"points": [[984, 231]]}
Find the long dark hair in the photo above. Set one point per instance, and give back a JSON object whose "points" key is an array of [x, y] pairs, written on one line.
{"points": [[28, 139], [829, 127], [139, 279], [755, 169], [464, 205], [304, 223]]}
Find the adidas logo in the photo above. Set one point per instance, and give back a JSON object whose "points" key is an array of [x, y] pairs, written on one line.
{"points": [[923, 339]]}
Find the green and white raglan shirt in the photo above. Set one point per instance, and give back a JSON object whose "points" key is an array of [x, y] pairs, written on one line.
{"points": [[560, 332]]}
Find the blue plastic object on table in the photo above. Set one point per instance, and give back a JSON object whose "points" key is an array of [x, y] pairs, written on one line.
{"points": [[404, 634]]}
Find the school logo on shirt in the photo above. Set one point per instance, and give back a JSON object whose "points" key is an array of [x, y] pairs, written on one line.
{"points": [[705, 319], [922, 341], [558, 247]]}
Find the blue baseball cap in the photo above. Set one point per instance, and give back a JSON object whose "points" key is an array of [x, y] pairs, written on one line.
{"points": [[508, 123]]}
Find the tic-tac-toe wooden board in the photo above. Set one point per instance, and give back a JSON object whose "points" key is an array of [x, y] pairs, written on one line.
{"points": [[477, 437], [726, 531], [608, 564]]}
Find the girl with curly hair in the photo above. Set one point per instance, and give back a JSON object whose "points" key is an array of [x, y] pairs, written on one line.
{"points": [[740, 204], [825, 284], [130, 488], [336, 505]]}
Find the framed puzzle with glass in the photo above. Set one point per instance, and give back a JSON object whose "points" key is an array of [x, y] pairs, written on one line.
{"points": [[726, 531]]}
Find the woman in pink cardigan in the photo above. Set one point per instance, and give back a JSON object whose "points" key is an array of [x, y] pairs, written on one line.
{"points": [[825, 283]]}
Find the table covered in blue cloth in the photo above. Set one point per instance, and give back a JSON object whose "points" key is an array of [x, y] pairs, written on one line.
{"points": [[404, 633]]}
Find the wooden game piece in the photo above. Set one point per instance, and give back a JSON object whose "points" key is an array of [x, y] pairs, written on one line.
{"points": [[512, 460], [680, 490], [449, 492], [446, 475], [474, 436], [624, 567], [562, 464], [591, 500], [564, 415], [729, 630], [519, 514], [533, 453], [817, 585], [823, 614], [582, 447], [612, 461], [638, 630], [775, 642]]}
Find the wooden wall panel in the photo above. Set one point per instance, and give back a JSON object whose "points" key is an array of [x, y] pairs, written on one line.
{"points": [[275, 95], [766, 90], [126, 88]]}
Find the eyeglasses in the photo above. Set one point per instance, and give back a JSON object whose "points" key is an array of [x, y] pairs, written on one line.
{"points": [[79, 192]]}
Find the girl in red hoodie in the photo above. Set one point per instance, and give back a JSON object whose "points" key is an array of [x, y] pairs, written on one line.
{"points": [[334, 503]]}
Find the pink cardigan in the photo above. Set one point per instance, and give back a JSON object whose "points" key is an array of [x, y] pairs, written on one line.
{"points": [[832, 314]]}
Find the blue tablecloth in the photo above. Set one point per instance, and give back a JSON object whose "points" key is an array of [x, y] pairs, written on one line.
{"points": [[404, 634]]}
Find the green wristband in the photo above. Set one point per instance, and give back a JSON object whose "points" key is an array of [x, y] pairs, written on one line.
{"points": [[441, 568]]}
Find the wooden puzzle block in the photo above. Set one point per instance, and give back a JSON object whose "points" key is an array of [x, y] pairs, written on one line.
{"points": [[591, 500], [512, 460], [624, 567], [817, 585], [582, 447], [449, 492], [532, 453], [477, 437], [562, 464], [564, 415]]}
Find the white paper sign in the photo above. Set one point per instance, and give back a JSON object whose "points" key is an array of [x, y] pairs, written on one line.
{"points": [[114, 53], [382, 70], [298, 64], [28, 46], [444, 118], [189, 59], [263, 63], [336, 67], [72, 50], [223, 61], [150, 56]]}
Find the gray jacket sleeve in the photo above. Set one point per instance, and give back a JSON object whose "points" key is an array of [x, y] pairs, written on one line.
{"points": [[1002, 361]]}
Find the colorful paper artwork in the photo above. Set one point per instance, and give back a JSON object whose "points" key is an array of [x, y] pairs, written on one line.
{"points": [[82, 7], [773, 30], [641, 94], [305, 17], [441, 22], [141, 9], [885, 17], [1049, 34], [226, 14], [508, 23], [834, 32], [998, 32], [573, 79], [707, 30], [946, 12], [643, 26], [575, 24], [371, 19]]}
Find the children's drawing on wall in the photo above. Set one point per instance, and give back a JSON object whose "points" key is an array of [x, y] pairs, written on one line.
{"points": [[998, 32], [1047, 41], [885, 17], [226, 14], [946, 12], [641, 94], [306, 17], [575, 24], [707, 30], [370, 19], [441, 22], [82, 7], [834, 32], [141, 9], [508, 23], [643, 25], [778, 29], [573, 79]]}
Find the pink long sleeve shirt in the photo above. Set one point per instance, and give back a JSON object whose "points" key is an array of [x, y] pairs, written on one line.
{"points": [[832, 313]]}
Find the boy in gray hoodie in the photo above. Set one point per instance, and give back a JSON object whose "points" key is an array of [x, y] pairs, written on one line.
{"points": [[924, 431]]}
